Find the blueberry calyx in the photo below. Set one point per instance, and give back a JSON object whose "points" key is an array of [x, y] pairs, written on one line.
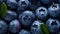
{"points": [[53, 23], [54, 6], [42, 11]]}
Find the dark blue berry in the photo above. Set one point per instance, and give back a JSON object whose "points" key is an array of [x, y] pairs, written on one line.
{"points": [[10, 15], [41, 13], [23, 4], [53, 24], [14, 26], [3, 27], [54, 10], [12, 4], [35, 28], [26, 17]]}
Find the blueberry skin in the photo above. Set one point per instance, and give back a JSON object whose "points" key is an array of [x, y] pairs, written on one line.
{"points": [[34, 4], [53, 24], [14, 26], [54, 10], [46, 1], [35, 28], [12, 4], [41, 13], [10, 15], [3, 27], [23, 4], [24, 32], [26, 17]]}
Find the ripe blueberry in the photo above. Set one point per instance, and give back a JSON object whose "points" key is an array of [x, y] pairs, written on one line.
{"points": [[41, 13], [10, 15], [26, 17], [53, 24], [3, 27], [14, 26], [35, 28], [12, 4], [22, 4], [54, 10]]}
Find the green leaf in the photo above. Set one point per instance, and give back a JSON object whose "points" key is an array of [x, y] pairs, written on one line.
{"points": [[3, 9], [44, 29]]}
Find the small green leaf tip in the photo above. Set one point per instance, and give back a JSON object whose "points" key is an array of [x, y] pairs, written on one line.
{"points": [[3, 9], [44, 29]]}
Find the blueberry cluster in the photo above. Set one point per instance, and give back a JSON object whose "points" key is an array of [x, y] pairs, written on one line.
{"points": [[26, 16]]}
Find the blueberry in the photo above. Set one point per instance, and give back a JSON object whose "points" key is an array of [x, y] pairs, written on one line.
{"points": [[26, 17], [10, 15], [46, 1], [41, 13], [35, 28], [23, 4], [34, 4], [12, 4], [24, 32], [53, 24], [14, 26], [54, 10], [3, 27]]}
